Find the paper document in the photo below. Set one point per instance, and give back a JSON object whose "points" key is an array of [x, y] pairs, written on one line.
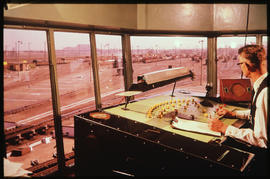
{"points": [[194, 126]]}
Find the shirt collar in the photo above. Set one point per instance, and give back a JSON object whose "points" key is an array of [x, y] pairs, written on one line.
{"points": [[258, 82]]}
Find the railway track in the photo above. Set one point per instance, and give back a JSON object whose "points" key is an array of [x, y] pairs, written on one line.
{"points": [[31, 128], [41, 123], [50, 167]]}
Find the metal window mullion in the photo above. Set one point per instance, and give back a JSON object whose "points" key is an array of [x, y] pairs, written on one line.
{"points": [[55, 100], [259, 38], [212, 64], [95, 71], [127, 62]]}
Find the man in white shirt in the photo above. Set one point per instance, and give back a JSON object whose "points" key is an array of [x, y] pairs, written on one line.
{"points": [[252, 61]]}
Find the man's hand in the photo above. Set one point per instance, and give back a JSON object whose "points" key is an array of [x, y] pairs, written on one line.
{"points": [[225, 112], [216, 125]]}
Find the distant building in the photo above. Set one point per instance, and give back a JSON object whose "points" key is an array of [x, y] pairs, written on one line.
{"points": [[15, 66]]}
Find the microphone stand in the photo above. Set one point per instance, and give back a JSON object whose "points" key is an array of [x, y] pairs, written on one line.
{"points": [[205, 102]]}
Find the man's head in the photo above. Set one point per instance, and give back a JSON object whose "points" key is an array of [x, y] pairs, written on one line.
{"points": [[252, 59]]}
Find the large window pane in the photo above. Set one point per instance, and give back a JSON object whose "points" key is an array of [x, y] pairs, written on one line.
{"points": [[227, 57], [27, 93], [109, 54], [158, 53], [75, 79], [74, 71]]}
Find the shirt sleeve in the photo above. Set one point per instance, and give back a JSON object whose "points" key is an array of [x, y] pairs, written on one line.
{"points": [[258, 136], [242, 114]]}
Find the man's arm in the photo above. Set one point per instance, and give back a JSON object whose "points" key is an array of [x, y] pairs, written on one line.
{"points": [[258, 136]]}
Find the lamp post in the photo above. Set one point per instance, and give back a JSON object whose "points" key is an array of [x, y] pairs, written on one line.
{"points": [[45, 44], [29, 43], [107, 45], [18, 58], [18, 47], [180, 55], [101, 47], [18, 44], [108, 50], [156, 47], [201, 41]]}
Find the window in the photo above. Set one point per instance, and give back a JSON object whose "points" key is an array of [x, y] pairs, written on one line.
{"points": [[27, 89], [110, 65], [74, 71], [152, 53], [227, 57]]}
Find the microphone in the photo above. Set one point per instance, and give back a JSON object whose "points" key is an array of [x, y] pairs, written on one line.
{"points": [[205, 102]]}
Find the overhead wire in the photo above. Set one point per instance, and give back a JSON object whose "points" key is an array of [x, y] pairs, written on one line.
{"points": [[246, 31], [247, 24]]}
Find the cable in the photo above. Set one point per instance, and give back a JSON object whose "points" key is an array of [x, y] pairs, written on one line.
{"points": [[247, 24], [246, 32]]}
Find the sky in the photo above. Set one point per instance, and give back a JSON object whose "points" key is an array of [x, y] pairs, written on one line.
{"points": [[36, 40]]}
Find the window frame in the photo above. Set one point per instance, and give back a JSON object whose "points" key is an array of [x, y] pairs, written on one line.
{"points": [[52, 26]]}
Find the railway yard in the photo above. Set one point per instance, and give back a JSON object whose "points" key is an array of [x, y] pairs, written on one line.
{"points": [[29, 118]]}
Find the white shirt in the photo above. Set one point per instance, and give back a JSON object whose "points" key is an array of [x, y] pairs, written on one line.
{"points": [[258, 136]]}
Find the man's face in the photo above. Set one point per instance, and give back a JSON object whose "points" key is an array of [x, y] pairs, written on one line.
{"points": [[243, 62]]}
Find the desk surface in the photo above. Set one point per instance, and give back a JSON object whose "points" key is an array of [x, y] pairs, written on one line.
{"points": [[139, 110]]}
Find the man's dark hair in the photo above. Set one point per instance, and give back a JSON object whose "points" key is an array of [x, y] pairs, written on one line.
{"points": [[254, 53]]}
